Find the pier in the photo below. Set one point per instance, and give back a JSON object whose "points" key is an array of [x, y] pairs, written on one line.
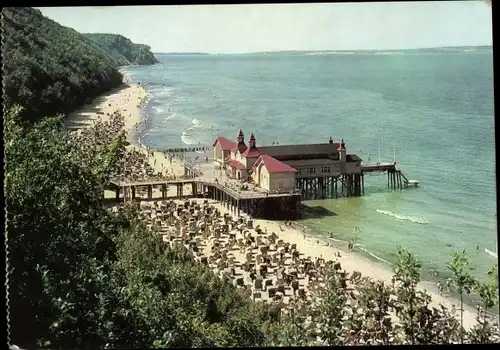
{"points": [[351, 185], [396, 180], [330, 187], [266, 182], [277, 206], [185, 149]]}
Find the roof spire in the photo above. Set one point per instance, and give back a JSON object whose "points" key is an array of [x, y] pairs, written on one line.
{"points": [[341, 146], [240, 137], [251, 143]]}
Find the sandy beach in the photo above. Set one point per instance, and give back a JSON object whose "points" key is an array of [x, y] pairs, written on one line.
{"points": [[129, 99], [351, 261]]}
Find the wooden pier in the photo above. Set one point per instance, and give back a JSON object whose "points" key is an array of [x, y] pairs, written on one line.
{"points": [[185, 149], [396, 180], [348, 185], [351, 185], [277, 206]]}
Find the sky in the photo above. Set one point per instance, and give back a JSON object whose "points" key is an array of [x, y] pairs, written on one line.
{"points": [[282, 27]]}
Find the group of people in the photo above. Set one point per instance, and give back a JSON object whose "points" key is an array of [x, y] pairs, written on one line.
{"points": [[447, 284]]}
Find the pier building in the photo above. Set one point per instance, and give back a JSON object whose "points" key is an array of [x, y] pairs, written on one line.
{"points": [[268, 181], [322, 170]]}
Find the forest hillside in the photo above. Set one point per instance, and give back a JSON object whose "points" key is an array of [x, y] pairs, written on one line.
{"points": [[124, 51]]}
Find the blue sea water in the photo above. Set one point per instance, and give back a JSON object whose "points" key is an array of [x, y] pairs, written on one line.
{"points": [[436, 108]]}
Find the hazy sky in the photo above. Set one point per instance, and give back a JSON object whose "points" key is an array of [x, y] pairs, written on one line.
{"points": [[272, 27]]}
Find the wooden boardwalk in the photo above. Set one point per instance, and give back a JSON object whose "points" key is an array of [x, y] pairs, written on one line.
{"points": [[381, 167], [395, 177], [152, 182], [238, 195], [275, 206], [185, 149]]}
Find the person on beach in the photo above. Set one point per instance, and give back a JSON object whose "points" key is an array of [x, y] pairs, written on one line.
{"points": [[440, 288], [393, 281], [448, 285], [478, 309]]}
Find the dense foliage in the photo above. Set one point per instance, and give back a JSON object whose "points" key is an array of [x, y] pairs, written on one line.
{"points": [[124, 51], [48, 68], [83, 277]]}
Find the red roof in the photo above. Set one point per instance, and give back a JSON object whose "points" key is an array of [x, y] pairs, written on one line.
{"points": [[235, 164], [225, 144], [251, 153], [275, 166]]}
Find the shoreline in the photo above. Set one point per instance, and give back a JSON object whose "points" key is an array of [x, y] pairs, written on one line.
{"points": [[130, 98], [427, 281], [317, 245]]}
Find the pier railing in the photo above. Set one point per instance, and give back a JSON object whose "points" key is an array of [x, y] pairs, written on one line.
{"points": [[256, 194], [185, 149]]}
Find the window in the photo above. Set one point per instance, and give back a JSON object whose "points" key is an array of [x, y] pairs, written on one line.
{"points": [[325, 169], [311, 170]]}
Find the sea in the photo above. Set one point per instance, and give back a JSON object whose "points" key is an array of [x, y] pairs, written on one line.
{"points": [[431, 111]]}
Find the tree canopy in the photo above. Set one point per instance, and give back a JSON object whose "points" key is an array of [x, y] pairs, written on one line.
{"points": [[124, 51], [50, 69]]}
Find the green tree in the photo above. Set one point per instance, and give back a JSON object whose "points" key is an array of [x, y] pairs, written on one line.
{"points": [[332, 303], [462, 280], [122, 50], [488, 292], [60, 238], [49, 69], [407, 274]]}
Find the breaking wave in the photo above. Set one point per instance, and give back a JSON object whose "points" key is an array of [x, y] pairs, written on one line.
{"points": [[373, 255], [158, 109], [172, 116], [187, 140], [493, 254], [165, 92], [414, 219]]}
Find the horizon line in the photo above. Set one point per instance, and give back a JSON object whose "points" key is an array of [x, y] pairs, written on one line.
{"points": [[323, 50]]}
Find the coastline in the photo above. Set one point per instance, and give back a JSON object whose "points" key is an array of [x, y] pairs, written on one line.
{"points": [[129, 99], [314, 245]]}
